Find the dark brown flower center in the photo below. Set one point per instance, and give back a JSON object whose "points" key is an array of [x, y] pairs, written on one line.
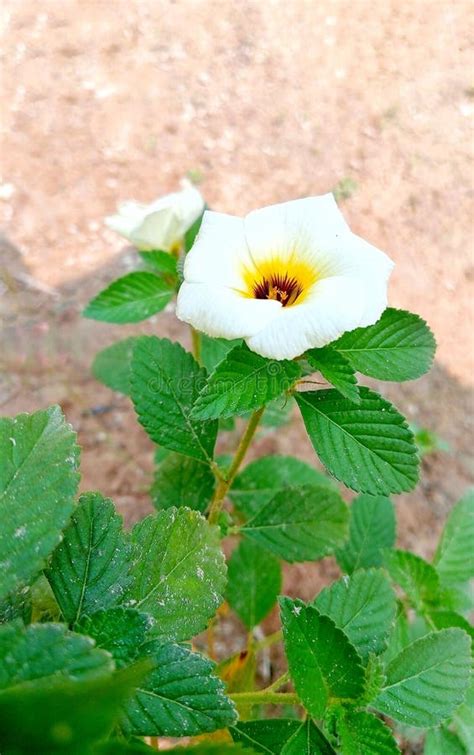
{"points": [[282, 288]]}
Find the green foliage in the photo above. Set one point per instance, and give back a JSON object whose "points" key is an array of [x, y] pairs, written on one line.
{"points": [[265, 735], [415, 576], [308, 739], [428, 680], [214, 350], [324, 665], [241, 382], [178, 572], [344, 189], [89, 568], [178, 697], [182, 481], [111, 366], [38, 480], [441, 741], [300, 524], [254, 582], [121, 631], [337, 371], [369, 447], [260, 480], [371, 530], [454, 559], [400, 346], [161, 262], [165, 383], [363, 606], [361, 733], [133, 298]]}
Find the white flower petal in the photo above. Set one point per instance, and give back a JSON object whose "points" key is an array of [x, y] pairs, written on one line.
{"points": [[158, 230], [334, 306], [222, 312], [303, 225], [219, 252]]}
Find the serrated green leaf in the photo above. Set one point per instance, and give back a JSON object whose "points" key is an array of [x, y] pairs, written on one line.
{"points": [[89, 568], [265, 735], [400, 346], [122, 747], [162, 262], [243, 381], [278, 412], [254, 582], [257, 484], [454, 559], [165, 383], [363, 606], [463, 720], [323, 664], [38, 481], [442, 741], [362, 733], [133, 298], [182, 481], [308, 740], [445, 619], [459, 597], [428, 680], [64, 715], [192, 232], [214, 350], [111, 366], [368, 447], [374, 678], [45, 651], [372, 528], [179, 697], [300, 524], [178, 572], [121, 631], [336, 370], [415, 576]]}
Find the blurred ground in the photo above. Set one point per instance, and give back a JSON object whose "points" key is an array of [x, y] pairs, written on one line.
{"points": [[111, 100]]}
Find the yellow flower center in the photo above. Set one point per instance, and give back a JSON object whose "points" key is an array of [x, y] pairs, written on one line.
{"points": [[285, 280]]}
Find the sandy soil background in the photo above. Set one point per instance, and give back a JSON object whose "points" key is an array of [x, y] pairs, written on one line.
{"points": [[266, 101]]}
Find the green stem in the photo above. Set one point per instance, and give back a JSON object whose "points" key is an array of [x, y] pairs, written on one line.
{"points": [[263, 697], [283, 679], [196, 339], [224, 485], [268, 641]]}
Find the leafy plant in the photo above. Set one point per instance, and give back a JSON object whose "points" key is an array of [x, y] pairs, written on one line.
{"points": [[101, 629]]}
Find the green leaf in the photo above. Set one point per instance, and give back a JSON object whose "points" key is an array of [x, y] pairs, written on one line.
{"points": [[165, 383], [38, 481], [362, 733], [265, 735], [111, 366], [300, 524], [42, 651], [464, 720], [214, 350], [369, 447], [120, 631], [443, 742], [336, 370], [192, 232], [428, 680], [400, 346], [162, 262], [415, 576], [133, 298], [363, 606], [374, 678], [179, 697], [308, 740], [63, 715], [178, 571], [122, 747], [445, 619], [243, 381], [278, 412], [454, 559], [372, 527], [89, 568], [254, 582], [257, 484], [324, 666], [182, 481]]}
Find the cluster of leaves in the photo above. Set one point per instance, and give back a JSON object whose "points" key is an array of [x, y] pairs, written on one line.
{"points": [[96, 621]]}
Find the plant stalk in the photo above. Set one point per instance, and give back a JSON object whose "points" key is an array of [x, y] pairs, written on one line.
{"points": [[224, 485], [264, 697], [196, 339]]}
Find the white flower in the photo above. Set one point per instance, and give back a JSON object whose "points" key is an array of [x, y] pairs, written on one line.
{"points": [[161, 224], [286, 278]]}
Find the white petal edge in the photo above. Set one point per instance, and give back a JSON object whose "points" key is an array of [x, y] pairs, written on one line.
{"points": [[218, 253], [222, 312]]}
